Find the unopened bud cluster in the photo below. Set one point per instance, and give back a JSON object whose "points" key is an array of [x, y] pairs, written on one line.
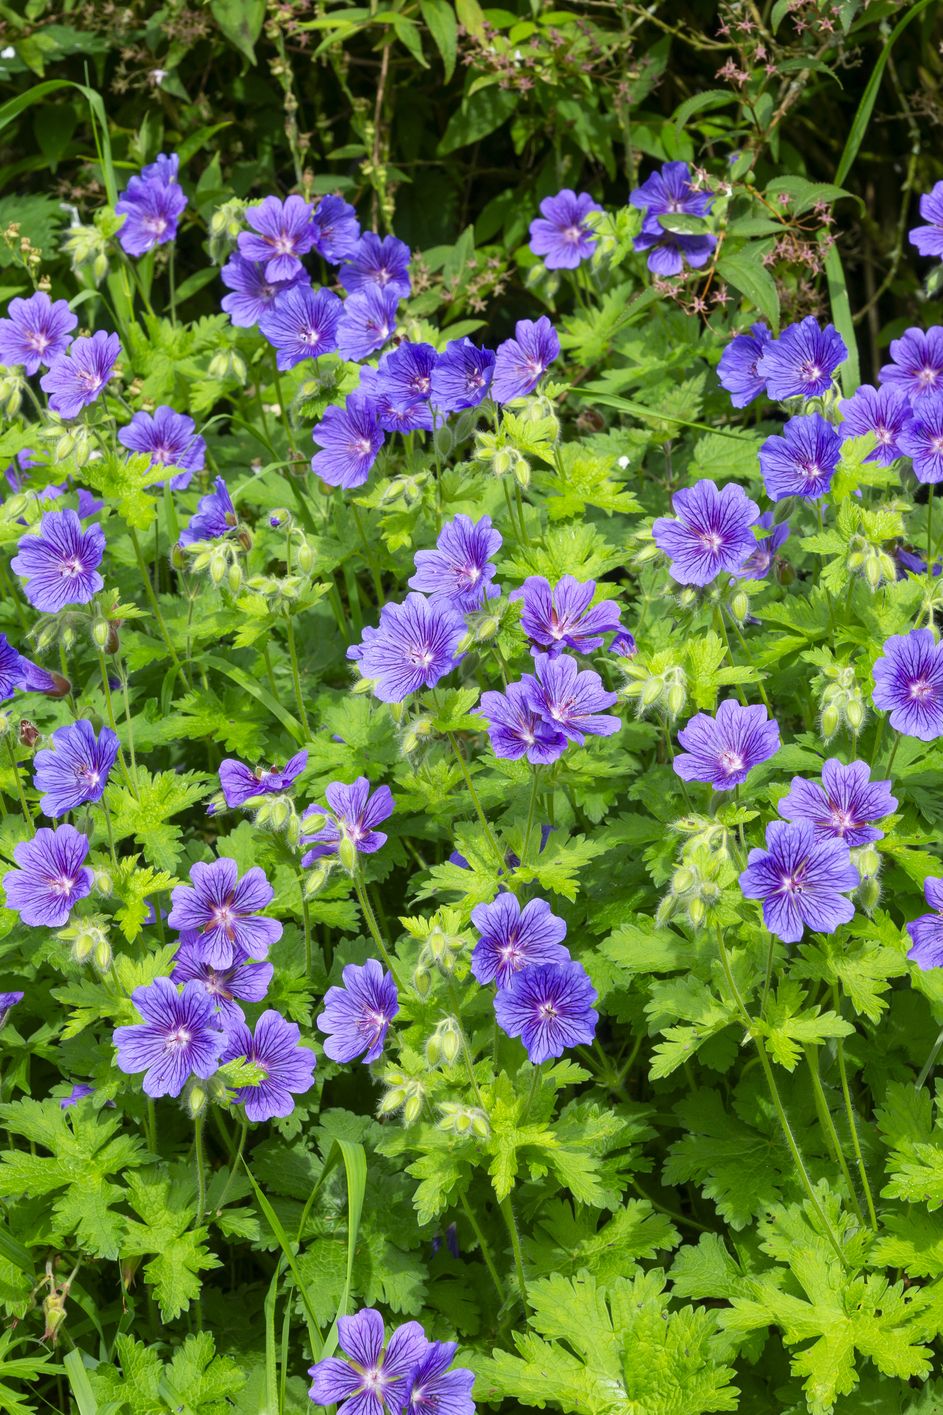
{"points": [[697, 884], [463, 1120], [874, 564], [867, 861], [655, 685], [89, 942], [404, 1092], [843, 703]]}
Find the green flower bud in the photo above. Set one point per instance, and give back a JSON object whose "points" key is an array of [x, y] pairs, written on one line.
{"points": [[869, 895], [347, 854], [392, 1101], [450, 1038], [218, 566], [422, 980], [103, 883], [522, 471], [480, 1125], [443, 439], [224, 227], [855, 713], [234, 577], [11, 393], [412, 1109], [697, 911], [305, 557], [831, 721], [502, 463], [740, 606], [316, 878], [683, 880], [101, 632], [102, 955], [196, 1099], [676, 699], [433, 1048]]}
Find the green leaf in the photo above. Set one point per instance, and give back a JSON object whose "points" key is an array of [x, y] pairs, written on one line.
{"points": [[241, 22], [166, 1231], [441, 23], [479, 115], [745, 272]]}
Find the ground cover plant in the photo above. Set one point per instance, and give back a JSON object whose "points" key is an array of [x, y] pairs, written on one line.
{"points": [[472, 906]]}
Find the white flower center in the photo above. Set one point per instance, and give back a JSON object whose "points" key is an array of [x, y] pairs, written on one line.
{"points": [[179, 1037], [921, 689], [62, 884], [731, 761]]}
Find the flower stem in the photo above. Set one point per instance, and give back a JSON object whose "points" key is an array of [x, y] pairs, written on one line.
{"points": [[111, 834], [200, 1170], [155, 606], [371, 922], [243, 1132], [786, 1128], [534, 785], [483, 1246], [295, 674], [828, 1125], [127, 719], [508, 1215], [463, 768], [928, 1067], [110, 709], [24, 804], [852, 1124]]}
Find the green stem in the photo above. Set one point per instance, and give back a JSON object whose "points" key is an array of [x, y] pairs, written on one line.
{"points": [[828, 1125], [483, 1246], [507, 1214], [243, 1132], [721, 624], [150, 1126], [878, 739], [470, 785], [534, 785], [786, 1128], [368, 552], [534, 1083], [890, 760], [111, 834], [200, 1170], [110, 710], [928, 1067], [749, 658], [295, 673], [769, 974], [463, 1040], [852, 1124], [519, 497], [306, 916], [127, 720], [149, 590], [173, 286], [24, 804], [371, 922]]}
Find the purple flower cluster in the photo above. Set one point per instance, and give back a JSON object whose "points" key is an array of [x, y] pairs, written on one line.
{"points": [[151, 205], [799, 364], [404, 1375], [77, 376], [51, 876], [539, 716]]}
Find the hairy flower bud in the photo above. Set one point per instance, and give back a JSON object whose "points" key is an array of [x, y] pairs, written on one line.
{"points": [[101, 633], [218, 566], [103, 883], [224, 227], [11, 393], [196, 1099], [102, 955], [830, 722]]}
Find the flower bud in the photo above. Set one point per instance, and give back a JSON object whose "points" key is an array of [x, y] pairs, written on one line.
{"points": [[102, 955], [394, 1098], [697, 911], [855, 712], [740, 606], [11, 393], [831, 721], [422, 980], [442, 437], [522, 471], [224, 227], [347, 854], [234, 577], [316, 878], [867, 861], [305, 557], [103, 883], [676, 698], [29, 734], [101, 633], [226, 365], [869, 895], [196, 1099], [502, 462], [54, 1313], [218, 566], [412, 1109]]}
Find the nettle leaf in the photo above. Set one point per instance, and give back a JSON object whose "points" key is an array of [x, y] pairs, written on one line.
{"points": [[628, 1347], [687, 1014], [577, 549], [127, 483], [585, 478], [165, 1230], [85, 1149]]}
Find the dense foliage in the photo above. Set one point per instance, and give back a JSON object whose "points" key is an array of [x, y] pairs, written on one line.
{"points": [[470, 767]]}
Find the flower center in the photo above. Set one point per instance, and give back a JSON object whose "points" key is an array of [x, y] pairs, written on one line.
{"points": [[71, 567], [420, 656], [156, 224], [927, 376], [731, 761], [178, 1038], [546, 1011], [572, 234], [841, 820], [361, 447], [62, 884], [284, 244], [711, 540], [37, 340], [920, 689], [311, 336], [89, 380], [810, 370], [936, 445]]}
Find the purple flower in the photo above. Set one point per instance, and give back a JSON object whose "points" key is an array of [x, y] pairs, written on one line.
{"points": [[462, 376], [80, 1091], [36, 331], [724, 749], [624, 645], [661, 194], [60, 565], [517, 729], [758, 565], [252, 291], [844, 803], [521, 362], [242, 981], [179, 1037], [393, 415], [435, 1390], [51, 876], [570, 699], [240, 783], [561, 233], [356, 814], [550, 1007], [883, 411], [908, 683], [459, 569], [415, 645], [288, 1068], [76, 377], [713, 531], [170, 439], [220, 912], [16, 672], [8, 1000], [512, 938], [909, 563], [302, 324], [350, 439], [926, 933], [367, 322], [78, 770], [802, 462], [379, 262], [336, 229], [357, 1016], [737, 368], [801, 362], [561, 617], [151, 204], [802, 878], [404, 380], [214, 516], [281, 233], [374, 1378], [922, 439], [916, 366], [929, 239]]}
